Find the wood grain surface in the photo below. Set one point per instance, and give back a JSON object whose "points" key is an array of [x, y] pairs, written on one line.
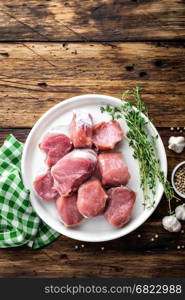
{"points": [[35, 76], [91, 20], [53, 50]]}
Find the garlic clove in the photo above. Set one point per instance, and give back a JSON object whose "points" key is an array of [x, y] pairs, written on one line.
{"points": [[171, 224], [176, 143], [180, 212]]}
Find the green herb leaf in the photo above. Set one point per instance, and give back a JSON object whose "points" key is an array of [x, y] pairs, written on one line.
{"points": [[143, 145]]}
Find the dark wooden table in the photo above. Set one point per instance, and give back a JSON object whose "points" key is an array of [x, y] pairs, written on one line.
{"points": [[54, 49]]}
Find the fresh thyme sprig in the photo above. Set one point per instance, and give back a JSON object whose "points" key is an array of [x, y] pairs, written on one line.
{"points": [[143, 145]]}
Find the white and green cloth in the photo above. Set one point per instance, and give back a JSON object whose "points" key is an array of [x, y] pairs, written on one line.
{"points": [[19, 224]]}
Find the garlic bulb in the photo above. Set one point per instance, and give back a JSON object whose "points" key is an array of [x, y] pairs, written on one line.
{"points": [[176, 143], [180, 212], [171, 224]]}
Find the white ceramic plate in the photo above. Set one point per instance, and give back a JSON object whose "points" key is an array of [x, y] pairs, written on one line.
{"points": [[95, 229]]}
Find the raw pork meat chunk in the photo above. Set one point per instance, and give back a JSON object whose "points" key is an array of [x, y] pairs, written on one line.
{"points": [[67, 210], [91, 198], [55, 145], [120, 204], [96, 173], [43, 186], [107, 134], [113, 169], [81, 130], [73, 169]]}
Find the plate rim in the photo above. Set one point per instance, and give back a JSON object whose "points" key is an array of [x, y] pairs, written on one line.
{"points": [[105, 98]]}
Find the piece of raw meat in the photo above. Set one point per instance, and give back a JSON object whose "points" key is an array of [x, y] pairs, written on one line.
{"points": [[120, 204], [67, 210], [91, 198], [43, 185], [113, 169], [107, 134], [55, 145], [73, 169], [81, 128], [96, 173]]}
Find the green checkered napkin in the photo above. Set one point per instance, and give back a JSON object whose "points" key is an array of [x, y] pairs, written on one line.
{"points": [[19, 224]]}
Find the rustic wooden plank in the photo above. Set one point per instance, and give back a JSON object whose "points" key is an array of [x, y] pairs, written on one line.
{"points": [[20, 133], [34, 77], [129, 256], [109, 20]]}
